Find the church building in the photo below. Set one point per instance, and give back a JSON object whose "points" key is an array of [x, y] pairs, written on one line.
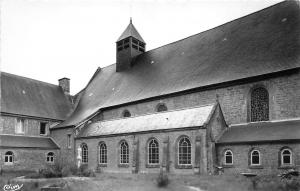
{"points": [[227, 97]]}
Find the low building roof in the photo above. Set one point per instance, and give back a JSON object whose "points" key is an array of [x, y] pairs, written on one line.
{"points": [[29, 97], [261, 43], [262, 132], [169, 120], [19, 141]]}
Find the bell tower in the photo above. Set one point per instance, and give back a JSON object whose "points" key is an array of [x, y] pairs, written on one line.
{"points": [[129, 45]]}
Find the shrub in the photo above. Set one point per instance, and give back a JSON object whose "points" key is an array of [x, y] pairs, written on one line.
{"points": [[162, 179], [84, 171]]}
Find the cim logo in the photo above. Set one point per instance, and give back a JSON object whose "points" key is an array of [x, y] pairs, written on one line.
{"points": [[11, 187]]}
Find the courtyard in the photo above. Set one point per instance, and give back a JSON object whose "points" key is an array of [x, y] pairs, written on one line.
{"points": [[148, 182]]}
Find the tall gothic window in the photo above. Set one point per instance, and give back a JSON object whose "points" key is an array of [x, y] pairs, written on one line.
{"points": [[124, 153], [153, 152], [184, 151], [102, 153], [84, 153], [259, 104]]}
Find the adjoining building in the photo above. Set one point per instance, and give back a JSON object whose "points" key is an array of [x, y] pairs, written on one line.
{"points": [[29, 108], [228, 96]]}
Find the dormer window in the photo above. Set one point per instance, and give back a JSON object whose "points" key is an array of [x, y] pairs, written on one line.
{"points": [[126, 113], [161, 107]]}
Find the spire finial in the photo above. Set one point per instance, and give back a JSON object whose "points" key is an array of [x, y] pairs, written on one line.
{"points": [[130, 20]]}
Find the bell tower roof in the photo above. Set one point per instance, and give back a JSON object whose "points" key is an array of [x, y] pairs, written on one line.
{"points": [[131, 31]]}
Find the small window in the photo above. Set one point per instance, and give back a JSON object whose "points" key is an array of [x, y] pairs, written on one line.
{"points": [[8, 158], [69, 141], [153, 152], [228, 157], [126, 113], [124, 153], [184, 151], [20, 126], [161, 107], [43, 128], [50, 157], [286, 157], [255, 157], [102, 153], [84, 153]]}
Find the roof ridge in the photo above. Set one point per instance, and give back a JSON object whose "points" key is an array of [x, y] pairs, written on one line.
{"points": [[260, 122], [28, 78]]}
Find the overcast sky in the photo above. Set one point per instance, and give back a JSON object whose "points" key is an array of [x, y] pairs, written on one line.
{"points": [[50, 39]]}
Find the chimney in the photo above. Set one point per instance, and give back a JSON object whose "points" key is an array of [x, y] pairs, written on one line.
{"points": [[64, 83]]}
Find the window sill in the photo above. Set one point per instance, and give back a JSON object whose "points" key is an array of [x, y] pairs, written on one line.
{"points": [[123, 165], [186, 166], [102, 165], [152, 165], [286, 167], [8, 164], [227, 166], [256, 167]]}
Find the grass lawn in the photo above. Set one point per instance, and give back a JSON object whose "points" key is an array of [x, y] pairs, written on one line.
{"points": [[147, 182]]}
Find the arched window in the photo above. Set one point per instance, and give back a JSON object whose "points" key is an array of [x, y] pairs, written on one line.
{"points": [[161, 107], [102, 153], [84, 153], [228, 156], [153, 152], [124, 153], [259, 104], [184, 151], [50, 157], [8, 158], [286, 157], [126, 113], [255, 157]]}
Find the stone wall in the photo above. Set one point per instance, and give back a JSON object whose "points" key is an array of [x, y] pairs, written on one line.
{"points": [[26, 159], [284, 100], [199, 156], [31, 126], [67, 149], [270, 162]]}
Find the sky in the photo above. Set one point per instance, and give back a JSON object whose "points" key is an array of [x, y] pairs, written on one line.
{"points": [[51, 39]]}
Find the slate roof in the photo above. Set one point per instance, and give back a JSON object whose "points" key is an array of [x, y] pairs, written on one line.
{"points": [[18, 141], [131, 31], [24, 96], [169, 120], [262, 131], [260, 43]]}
